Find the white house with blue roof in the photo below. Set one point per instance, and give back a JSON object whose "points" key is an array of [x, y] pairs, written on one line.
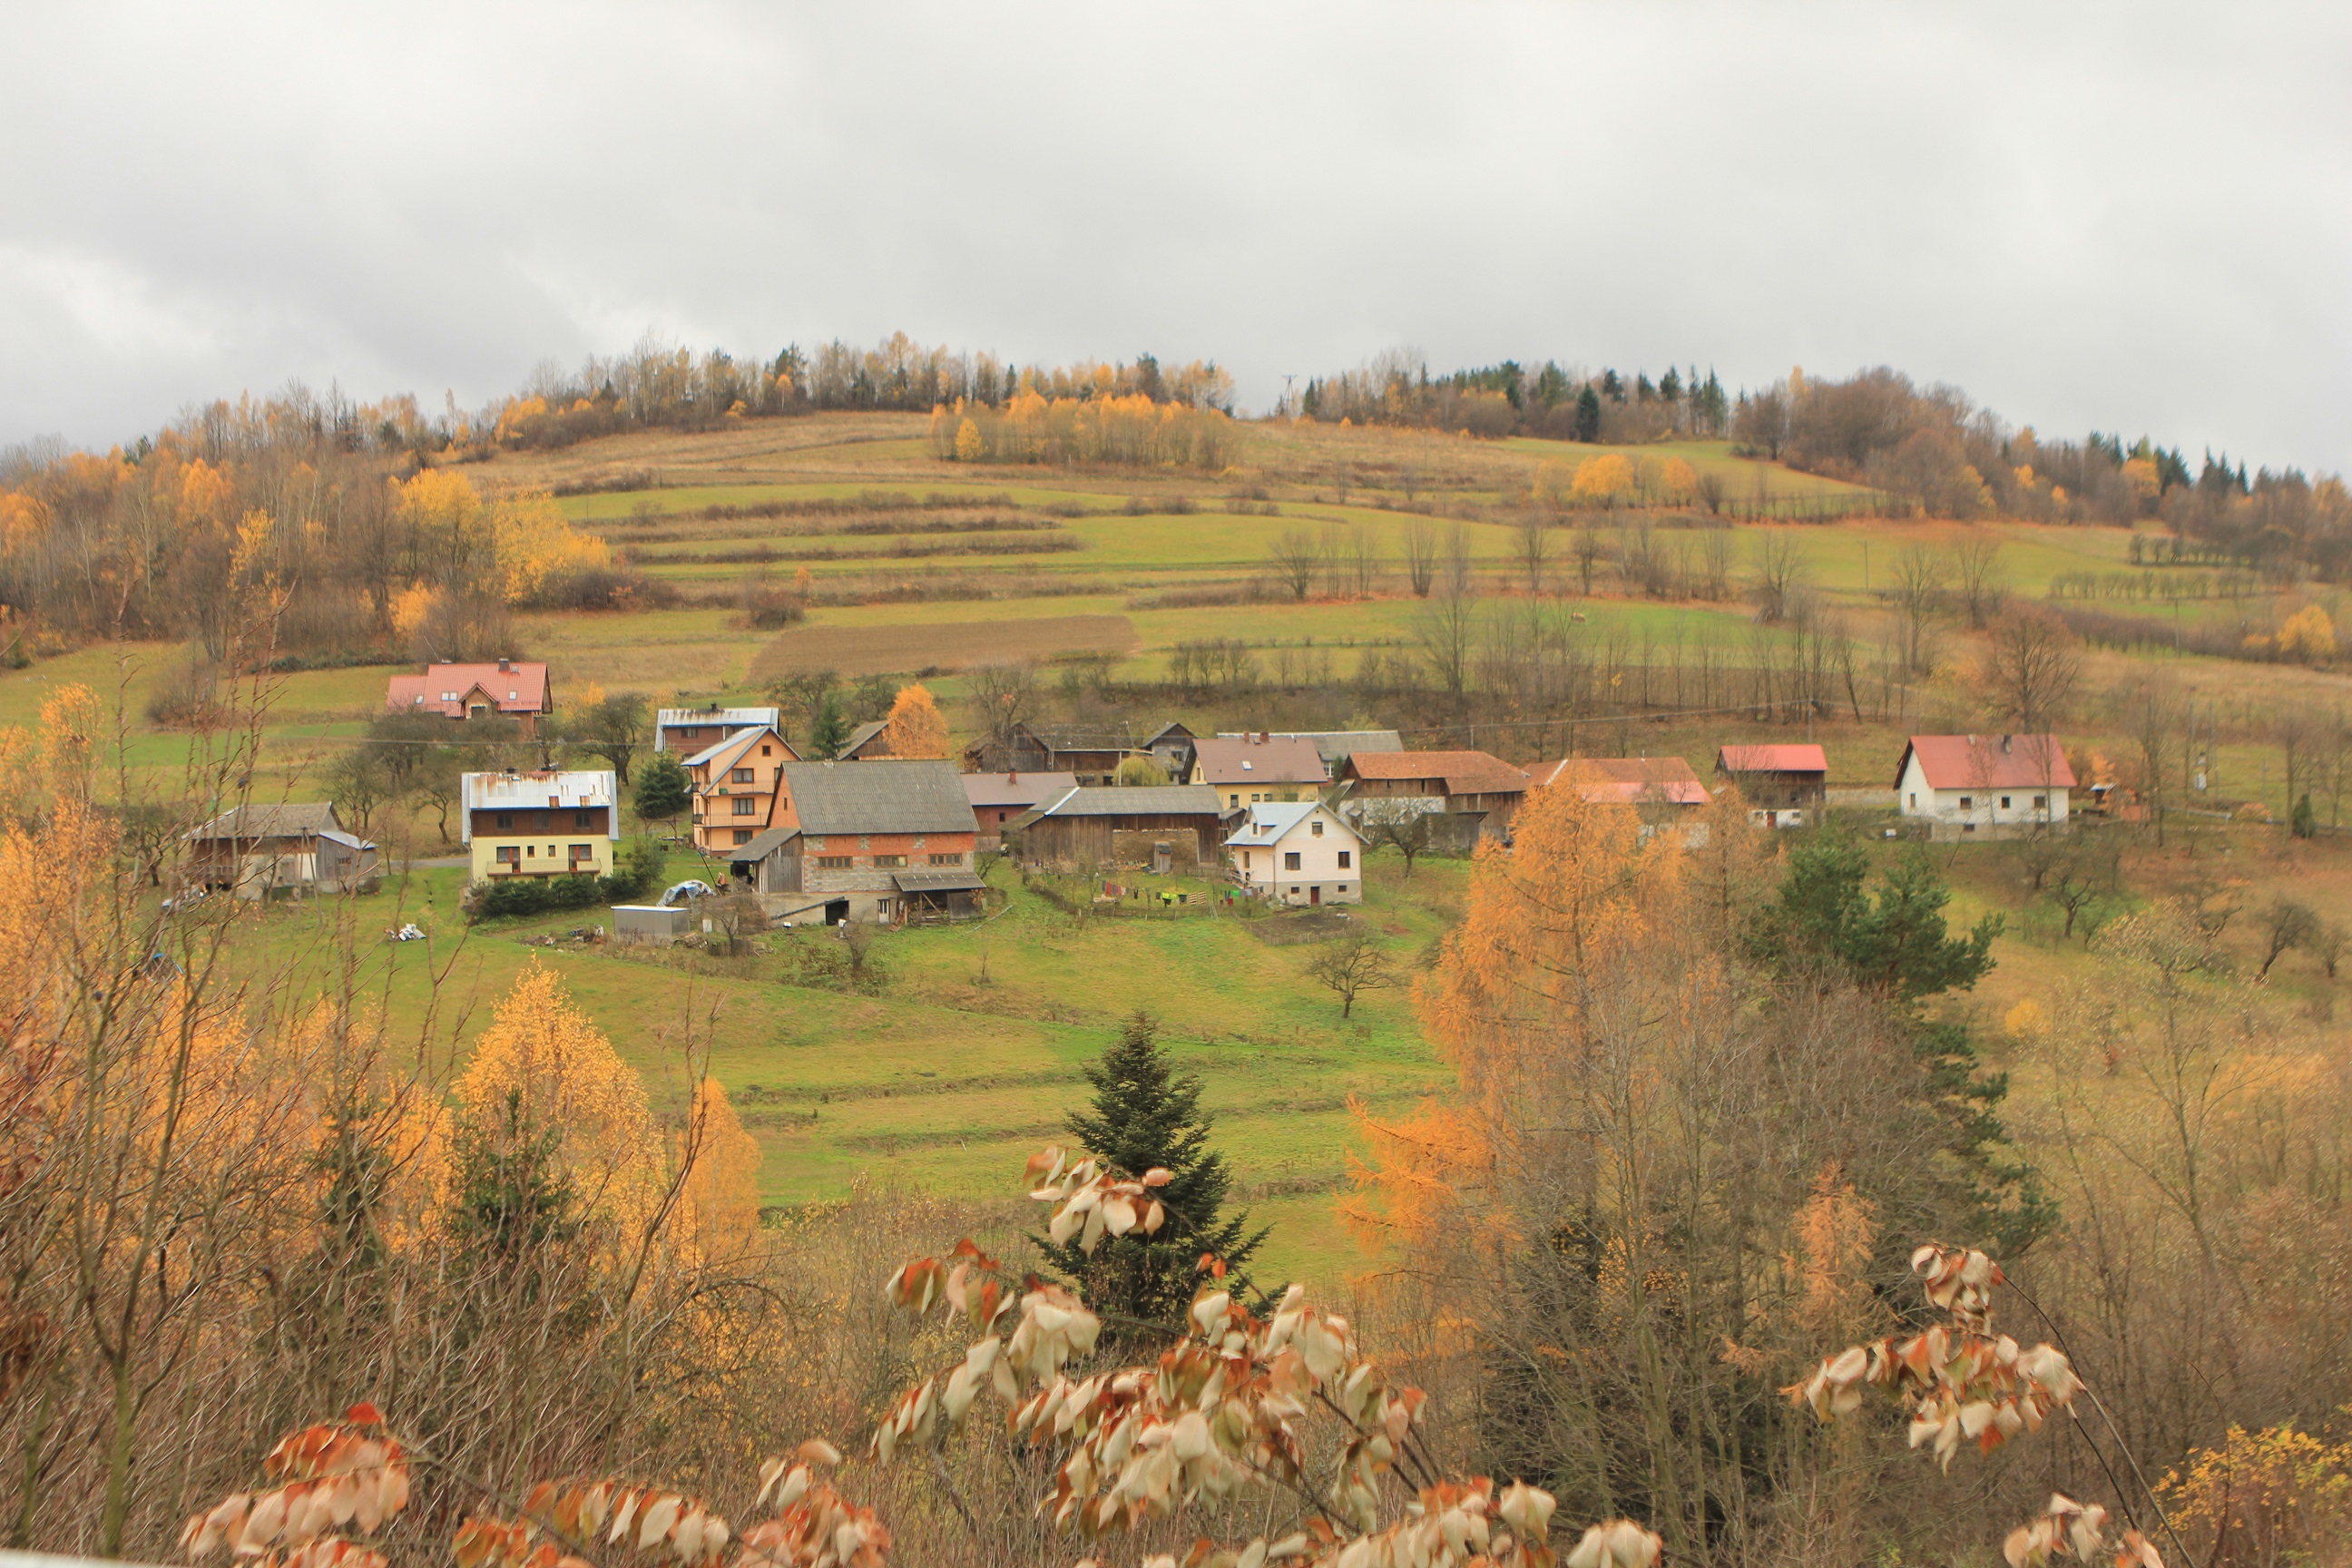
{"points": [[1297, 852]]}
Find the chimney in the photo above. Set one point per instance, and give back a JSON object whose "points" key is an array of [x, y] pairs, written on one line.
{"points": [[1263, 737], [1013, 777], [2004, 745], [504, 667]]}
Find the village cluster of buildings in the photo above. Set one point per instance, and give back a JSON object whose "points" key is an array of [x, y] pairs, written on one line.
{"points": [[1283, 817]]}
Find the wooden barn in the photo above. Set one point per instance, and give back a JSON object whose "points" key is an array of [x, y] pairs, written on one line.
{"points": [[1168, 827], [1785, 785]]}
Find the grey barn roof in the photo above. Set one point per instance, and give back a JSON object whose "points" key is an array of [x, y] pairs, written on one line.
{"points": [[937, 882], [1157, 800], [246, 823], [889, 795], [765, 845]]}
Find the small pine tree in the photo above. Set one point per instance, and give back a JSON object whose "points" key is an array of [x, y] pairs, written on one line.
{"points": [[663, 788], [512, 1198], [2303, 822], [829, 730], [1148, 1114]]}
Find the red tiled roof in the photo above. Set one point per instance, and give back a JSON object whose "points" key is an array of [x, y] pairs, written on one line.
{"points": [[1627, 781], [1772, 759], [1464, 773], [521, 688], [1278, 759], [1988, 761]]}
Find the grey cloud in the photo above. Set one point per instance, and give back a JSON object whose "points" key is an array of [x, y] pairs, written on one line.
{"points": [[2130, 217]]}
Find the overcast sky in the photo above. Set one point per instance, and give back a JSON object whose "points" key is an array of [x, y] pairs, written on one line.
{"points": [[2134, 218]]}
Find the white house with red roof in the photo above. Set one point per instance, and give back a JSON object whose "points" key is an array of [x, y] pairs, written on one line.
{"points": [[512, 687], [1990, 787]]}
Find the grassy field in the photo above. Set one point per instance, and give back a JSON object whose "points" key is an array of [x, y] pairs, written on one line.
{"points": [[968, 1055]]}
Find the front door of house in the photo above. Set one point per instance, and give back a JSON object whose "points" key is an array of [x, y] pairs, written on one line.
{"points": [[1315, 894]]}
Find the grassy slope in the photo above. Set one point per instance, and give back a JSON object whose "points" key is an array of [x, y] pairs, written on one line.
{"points": [[968, 1057], [941, 1078]]}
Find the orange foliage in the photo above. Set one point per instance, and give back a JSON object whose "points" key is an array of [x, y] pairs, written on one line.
{"points": [[915, 727], [1424, 1171], [564, 1074], [1543, 918], [721, 1212]]}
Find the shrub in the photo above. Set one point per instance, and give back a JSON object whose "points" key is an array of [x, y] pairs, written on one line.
{"points": [[514, 896], [637, 871]]}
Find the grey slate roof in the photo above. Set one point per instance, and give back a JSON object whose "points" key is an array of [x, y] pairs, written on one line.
{"points": [[1156, 799], [248, 823], [764, 845], [937, 882], [889, 795]]}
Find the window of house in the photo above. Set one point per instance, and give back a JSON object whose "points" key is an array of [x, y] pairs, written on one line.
{"points": [[1966, 802], [767, 750], [505, 819], [1915, 800], [888, 862], [1245, 859], [1234, 800], [582, 852], [1347, 859], [2004, 803], [539, 820], [532, 850], [740, 775], [946, 860], [1290, 860], [742, 836], [509, 853], [832, 862], [745, 805], [1343, 887], [2040, 801], [583, 819], [1316, 828]]}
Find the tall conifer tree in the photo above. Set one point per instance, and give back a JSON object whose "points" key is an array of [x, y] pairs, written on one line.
{"points": [[1147, 1114]]}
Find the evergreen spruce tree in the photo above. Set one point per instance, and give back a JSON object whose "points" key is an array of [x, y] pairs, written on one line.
{"points": [[1588, 415], [1147, 1114], [829, 732], [663, 788]]}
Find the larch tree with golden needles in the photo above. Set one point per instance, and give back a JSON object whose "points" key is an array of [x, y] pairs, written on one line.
{"points": [[915, 728], [543, 1071]]}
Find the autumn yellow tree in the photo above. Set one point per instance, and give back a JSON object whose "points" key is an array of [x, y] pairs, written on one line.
{"points": [[1603, 482], [2307, 634], [719, 1212], [915, 728], [542, 1065], [537, 550]]}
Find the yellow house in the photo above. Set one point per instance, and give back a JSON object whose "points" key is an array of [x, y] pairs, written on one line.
{"points": [[548, 823]]}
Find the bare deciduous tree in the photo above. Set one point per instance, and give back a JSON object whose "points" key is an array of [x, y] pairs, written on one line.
{"points": [[1294, 557], [1976, 567], [2031, 668], [1534, 550], [1420, 557], [1350, 966]]}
